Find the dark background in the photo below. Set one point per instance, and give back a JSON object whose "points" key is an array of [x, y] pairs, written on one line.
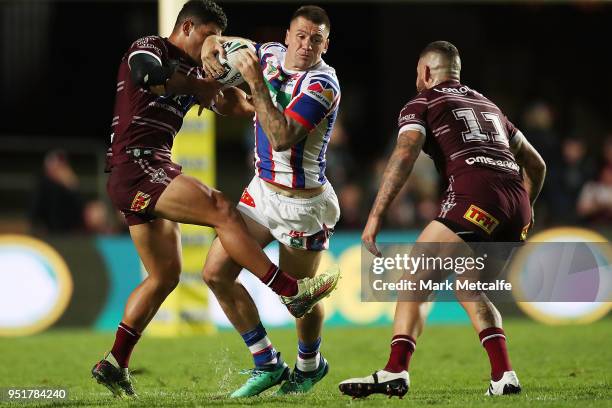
{"points": [[60, 59]]}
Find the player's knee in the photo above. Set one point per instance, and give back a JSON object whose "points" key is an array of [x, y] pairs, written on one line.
{"points": [[165, 284], [168, 277], [215, 279], [317, 312], [225, 210], [172, 282]]}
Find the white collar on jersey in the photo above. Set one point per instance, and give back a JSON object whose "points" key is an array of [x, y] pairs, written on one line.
{"points": [[292, 72]]}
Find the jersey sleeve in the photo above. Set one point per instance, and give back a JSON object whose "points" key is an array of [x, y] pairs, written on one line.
{"points": [[515, 136], [412, 115], [151, 45], [318, 95], [511, 130]]}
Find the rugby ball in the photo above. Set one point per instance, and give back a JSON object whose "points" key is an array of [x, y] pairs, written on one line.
{"points": [[231, 76]]}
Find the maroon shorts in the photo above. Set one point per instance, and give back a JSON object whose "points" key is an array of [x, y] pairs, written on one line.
{"points": [[486, 206], [135, 186]]}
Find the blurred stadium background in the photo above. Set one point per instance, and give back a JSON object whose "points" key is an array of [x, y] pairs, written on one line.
{"points": [[66, 260]]}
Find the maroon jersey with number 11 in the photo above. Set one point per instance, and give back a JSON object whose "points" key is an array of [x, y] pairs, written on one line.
{"points": [[468, 137]]}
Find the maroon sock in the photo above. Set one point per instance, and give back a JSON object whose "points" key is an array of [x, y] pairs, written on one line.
{"points": [[281, 283], [125, 340], [494, 341], [402, 347]]}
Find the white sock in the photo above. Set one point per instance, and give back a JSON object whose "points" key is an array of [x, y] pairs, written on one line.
{"points": [[308, 364]]}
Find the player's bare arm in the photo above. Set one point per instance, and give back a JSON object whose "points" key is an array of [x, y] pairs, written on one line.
{"points": [[407, 149], [283, 132], [534, 168], [148, 72]]}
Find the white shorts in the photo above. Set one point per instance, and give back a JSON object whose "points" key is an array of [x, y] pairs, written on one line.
{"points": [[304, 223]]}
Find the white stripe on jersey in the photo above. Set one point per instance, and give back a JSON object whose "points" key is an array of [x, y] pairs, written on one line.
{"points": [[412, 126], [144, 52]]}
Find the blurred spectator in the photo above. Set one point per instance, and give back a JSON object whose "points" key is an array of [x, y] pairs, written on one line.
{"points": [[57, 205], [538, 127], [97, 219], [595, 202], [340, 162], [577, 169], [350, 197]]}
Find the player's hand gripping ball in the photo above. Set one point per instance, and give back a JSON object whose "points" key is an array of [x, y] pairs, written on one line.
{"points": [[231, 76]]}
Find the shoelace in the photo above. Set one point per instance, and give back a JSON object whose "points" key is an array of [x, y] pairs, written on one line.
{"points": [[319, 283], [316, 284], [297, 377]]}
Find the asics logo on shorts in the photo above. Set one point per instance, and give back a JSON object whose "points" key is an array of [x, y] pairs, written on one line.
{"points": [[480, 217]]}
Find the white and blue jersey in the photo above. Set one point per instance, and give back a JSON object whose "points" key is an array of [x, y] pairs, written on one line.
{"points": [[309, 97]]}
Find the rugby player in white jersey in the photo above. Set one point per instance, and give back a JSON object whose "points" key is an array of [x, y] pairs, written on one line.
{"points": [[295, 95]]}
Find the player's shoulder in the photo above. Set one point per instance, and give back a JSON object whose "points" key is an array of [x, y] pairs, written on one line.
{"points": [[321, 84], [153, 43], [417, 102], [323, 73]]}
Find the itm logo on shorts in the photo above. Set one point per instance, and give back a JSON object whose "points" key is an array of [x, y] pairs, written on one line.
{"points": [[480, 217], [140, 202]]}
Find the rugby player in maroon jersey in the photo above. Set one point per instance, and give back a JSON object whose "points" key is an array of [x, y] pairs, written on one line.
{"points": [[494, 177], [159, 80]]}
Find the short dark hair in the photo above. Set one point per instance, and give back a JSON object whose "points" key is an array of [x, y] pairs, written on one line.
{"points": [[204, 12], [312, 13], [448, 50]]}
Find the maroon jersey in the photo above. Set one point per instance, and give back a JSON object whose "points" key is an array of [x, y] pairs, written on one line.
{"points": [[142, 118], [465, 132]]}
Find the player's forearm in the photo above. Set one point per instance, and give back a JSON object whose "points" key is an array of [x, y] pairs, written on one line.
{"points": [[180, 84], [396, 173], [273, 121], [534, 170], [532, 164], [534, 176]]}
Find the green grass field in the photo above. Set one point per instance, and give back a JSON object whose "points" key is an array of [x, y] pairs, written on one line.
{"points": [[557, 366]]}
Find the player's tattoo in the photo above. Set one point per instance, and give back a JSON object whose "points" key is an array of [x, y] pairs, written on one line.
{"points": [[398, 169], [281, 131]]}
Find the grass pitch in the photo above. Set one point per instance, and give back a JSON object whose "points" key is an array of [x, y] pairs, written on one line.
{"points": [[557, 366]]}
